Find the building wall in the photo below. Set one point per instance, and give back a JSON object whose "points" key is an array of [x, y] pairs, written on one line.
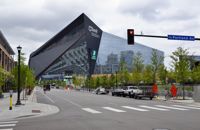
{"points": [[6, 60], [80, 47], [112, 44]]}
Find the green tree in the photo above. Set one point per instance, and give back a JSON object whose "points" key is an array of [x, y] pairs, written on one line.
{"points": [[98, 81], [138, 67], [181, 66], [30, 78], [156, 63], [112, 80], [1, 80], [27, 78], [76, 81], [162, 72], [123, 74], [138, 62], [92, 82], [196, 74], [147, 75]]}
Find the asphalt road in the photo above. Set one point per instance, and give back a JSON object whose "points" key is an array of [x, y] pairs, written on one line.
{"points": [[87, 111]]}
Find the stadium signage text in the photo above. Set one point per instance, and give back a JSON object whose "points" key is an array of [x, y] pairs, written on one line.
{"points": [[93, 31]]}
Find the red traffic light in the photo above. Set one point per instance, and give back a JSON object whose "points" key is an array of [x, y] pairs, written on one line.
{"points": [[130, 36], [131, 32]]}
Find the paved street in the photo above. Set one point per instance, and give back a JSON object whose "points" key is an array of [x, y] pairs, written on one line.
{"points": [[86, 111]]}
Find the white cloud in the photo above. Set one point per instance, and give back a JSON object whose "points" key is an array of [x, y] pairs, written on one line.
{"points": [[31, 23]]}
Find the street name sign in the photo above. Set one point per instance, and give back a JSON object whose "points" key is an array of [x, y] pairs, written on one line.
{"points": [[181, 37]]}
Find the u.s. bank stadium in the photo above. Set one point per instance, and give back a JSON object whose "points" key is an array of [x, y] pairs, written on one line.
{"points": [[83, 48]]}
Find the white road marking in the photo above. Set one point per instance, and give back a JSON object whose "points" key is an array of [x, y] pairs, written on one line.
{"points": [[76, 104], [91, 110], [187, 107], [134, 108], [175, 108], [198, 106], [7, 129], [9, 122], [7, 125], [155, 108], [113, 109], [47, 97]]}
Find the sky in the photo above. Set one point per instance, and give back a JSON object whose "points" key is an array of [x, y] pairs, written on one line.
{"points": [[31, 23]]}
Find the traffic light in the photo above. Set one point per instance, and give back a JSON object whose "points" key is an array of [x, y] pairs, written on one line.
{"points": [[130, 36]]}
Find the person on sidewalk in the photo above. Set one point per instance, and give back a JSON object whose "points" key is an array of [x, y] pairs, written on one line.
{"points": [[166, 94], [44, 89]]}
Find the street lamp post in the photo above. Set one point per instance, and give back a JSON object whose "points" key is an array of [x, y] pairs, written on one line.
{"points": [[18, 87]]}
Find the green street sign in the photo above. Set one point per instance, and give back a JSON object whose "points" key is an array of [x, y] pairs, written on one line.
{"points": [[94, 55]]}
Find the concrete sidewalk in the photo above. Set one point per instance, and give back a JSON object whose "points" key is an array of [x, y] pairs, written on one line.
{"points": [[188, 100], [30, 108]]}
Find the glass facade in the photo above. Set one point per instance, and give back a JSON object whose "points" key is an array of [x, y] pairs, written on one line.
{"points": [[117, 47]]}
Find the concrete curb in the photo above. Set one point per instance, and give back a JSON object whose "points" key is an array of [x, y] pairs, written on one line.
{"points": [[187, 101], [30, 109]]}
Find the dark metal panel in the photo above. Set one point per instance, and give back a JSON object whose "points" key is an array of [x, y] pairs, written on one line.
{"points": [[93, 39]]}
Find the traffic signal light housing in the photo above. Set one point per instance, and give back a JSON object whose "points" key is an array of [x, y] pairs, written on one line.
{"points": [[130, 36]]}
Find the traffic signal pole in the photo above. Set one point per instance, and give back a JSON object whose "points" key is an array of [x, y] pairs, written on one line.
{"points": [[157, 36], [154, 36], [131, 35]]}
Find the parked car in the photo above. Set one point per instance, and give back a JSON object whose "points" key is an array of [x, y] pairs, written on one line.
{"points": [[100, 90], [131, 91], [146, 92], [118, 92]]}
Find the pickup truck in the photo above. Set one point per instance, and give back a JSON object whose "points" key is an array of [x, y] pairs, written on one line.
{"points": [[131, 91], [145, 92]]}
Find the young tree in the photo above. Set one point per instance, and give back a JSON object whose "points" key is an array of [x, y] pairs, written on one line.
{"points": [[138, 62], [181, 66], [196, 74], [30, 78], [147, 75], [75, 80], [27, 78], [123, 73], [162, 73], [98, 81], [112, 81], [105, 81], [138, 67], [1, 80], [92, 82], [156, 63]]}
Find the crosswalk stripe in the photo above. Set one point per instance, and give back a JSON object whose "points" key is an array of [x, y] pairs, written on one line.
{"points": [[7, 125], [91, 110], [7, 129], [155, 108], [187, 107], [175, 108], [195, 106], [113, 109], [9, 122], [134, 108]]}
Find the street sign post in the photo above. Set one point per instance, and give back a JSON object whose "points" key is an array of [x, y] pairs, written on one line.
{"points": [[181, 37]]}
